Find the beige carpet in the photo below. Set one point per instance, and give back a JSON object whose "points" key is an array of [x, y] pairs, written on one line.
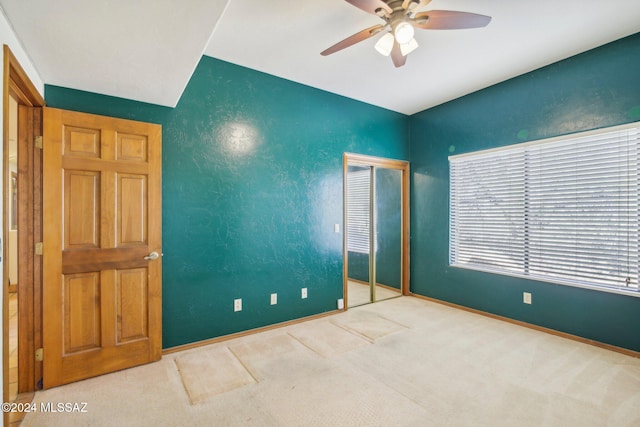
{"points": [[401, 362], [367, 324], [208, 372], [326, 339]]}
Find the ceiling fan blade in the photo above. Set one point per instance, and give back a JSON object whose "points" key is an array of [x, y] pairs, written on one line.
{"points": [[449, 20], [351, 40], [370, 6], [396, 55]]}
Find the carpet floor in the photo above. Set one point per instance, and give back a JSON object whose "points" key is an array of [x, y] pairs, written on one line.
{"points": [[400, 362]]}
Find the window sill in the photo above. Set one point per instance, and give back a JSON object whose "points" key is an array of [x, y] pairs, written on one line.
{"points": [[619, 291]]}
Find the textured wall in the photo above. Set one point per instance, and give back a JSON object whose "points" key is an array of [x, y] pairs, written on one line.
{"points": [[596, 89], [252, 188]]}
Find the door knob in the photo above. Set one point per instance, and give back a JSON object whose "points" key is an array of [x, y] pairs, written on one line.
{"points": [[152, 256]]}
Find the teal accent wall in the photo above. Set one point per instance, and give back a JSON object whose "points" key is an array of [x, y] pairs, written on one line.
{"points": [[252, 188], [592, 90]]}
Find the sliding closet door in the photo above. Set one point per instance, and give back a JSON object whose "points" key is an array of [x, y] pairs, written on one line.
{"points": [[376, 225], [387, 249], [359, 231]]}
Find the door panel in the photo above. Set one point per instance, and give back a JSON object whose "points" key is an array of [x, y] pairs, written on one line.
{"points": [[132, 228], [132, 291], [388, 216], [132, 148], [82, 211], [102, 216], [81, 142], [81, 312]]}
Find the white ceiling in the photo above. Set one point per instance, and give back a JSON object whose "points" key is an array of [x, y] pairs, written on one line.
{"points": [[144, 50], [147, 49]]}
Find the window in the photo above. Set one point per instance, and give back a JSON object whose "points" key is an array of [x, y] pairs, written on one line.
{"points": [[563, 210]]}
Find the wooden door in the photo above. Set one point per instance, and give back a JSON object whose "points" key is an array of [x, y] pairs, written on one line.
{"points": [[102, 219]]}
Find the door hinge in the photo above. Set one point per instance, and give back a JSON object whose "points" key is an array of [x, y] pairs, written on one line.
{"points": [[39, 354], [38, 141], [39, 248]]}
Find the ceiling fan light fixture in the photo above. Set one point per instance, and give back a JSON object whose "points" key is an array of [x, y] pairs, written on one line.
{"points": [[409, 47], [381, 12], [385, 44], [413, 4], [403, 32], [401, 17]]}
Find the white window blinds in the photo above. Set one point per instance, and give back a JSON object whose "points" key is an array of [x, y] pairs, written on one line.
{"points": [[358, 207], [563, 210]]}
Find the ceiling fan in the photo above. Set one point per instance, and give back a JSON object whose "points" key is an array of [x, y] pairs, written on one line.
{"points": [[400, 18]]}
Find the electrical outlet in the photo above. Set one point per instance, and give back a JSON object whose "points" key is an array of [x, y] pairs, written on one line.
{"points": [[237, 304], [336, 228], [340, 304], [303, 293], [526, 297], [274, 299]]}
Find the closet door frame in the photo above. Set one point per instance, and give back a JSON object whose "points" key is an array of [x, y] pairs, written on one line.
{"points": [[352, 159]]}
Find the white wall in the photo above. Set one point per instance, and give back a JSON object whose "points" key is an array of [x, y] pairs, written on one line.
{"points": [[8, 37]]}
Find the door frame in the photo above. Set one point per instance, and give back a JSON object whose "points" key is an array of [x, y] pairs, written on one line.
{"points": [[17, 82], [380, 162]]}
